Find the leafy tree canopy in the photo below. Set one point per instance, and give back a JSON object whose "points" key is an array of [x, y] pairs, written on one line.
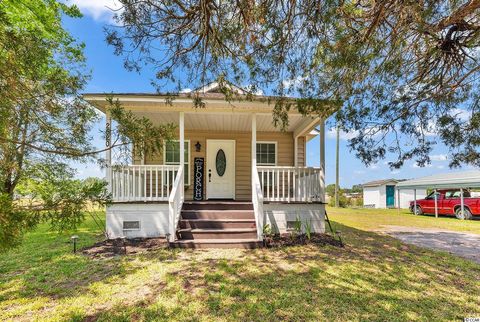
{"points": [[44, 123], [401, 70]]}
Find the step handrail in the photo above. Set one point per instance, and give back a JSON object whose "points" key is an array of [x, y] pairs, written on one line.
{"points": [[257, 200], [175, 203]]}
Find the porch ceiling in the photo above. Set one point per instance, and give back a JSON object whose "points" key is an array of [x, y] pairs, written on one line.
{"points": [[224, 121]]}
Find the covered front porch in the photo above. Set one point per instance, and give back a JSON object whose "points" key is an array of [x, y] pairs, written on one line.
{"points": [[221, 153], [242, 139]]}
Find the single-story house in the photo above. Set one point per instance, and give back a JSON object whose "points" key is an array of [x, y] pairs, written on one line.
{"points": [[229, 173], [384, 194]]}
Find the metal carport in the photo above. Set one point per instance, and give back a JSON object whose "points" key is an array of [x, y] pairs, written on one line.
{"points": [[452, 180]]}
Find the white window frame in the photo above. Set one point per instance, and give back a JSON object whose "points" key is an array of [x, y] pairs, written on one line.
{"points": [[276, 153], [132, 229], [187, 160]]}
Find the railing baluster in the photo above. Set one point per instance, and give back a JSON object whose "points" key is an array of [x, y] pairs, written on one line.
{"points": [[168, 183], [268, 184], [163, 182], [288, 187], [151, 184], [277, 184], [156, 182]]}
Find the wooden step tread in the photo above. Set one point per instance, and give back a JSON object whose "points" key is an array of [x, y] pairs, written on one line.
{"points": [[249, 243], [216, 241], [219, 220], [226, 211], [217, 203], [217, 230]]}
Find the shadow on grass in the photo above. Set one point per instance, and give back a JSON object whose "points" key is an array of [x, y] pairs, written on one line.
{"points": [[374, 277]]}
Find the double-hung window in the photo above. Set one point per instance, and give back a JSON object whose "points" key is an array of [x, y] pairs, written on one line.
{"points": [[267, 153], [267, 156], [171, 155]]}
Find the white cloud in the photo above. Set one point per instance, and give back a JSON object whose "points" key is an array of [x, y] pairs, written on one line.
{"points": [[438, 157], [395, 172], [429, 130], [332, 134], [419, 167], [359, 172], [440, 166], [287, 83], [186, 90], [373, 167], [100, 10], [461, 114]]}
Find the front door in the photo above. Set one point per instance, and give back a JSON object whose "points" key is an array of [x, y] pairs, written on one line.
{"points": [[220, 169], [390, 196]]}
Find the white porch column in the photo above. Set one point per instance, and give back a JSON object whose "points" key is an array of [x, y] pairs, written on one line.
{"points": [[108, 152], [254, 141], [436, 203], [322, 159], [182, 149]]}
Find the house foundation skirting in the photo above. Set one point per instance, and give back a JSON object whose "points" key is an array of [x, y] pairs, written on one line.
{"points": [[282, 216], [152, 217]]}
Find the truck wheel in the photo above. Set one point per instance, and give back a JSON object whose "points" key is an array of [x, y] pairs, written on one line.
{"points": [[419, 210], [467, 215]]}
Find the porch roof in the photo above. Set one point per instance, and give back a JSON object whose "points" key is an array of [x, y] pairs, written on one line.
{"points": [[185, 102], [218, 114]]}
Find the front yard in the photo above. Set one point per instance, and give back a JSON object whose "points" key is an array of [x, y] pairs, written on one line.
{"points": [[374, 277], [377, 219]]}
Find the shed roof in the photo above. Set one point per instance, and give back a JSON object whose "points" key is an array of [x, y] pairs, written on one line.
{"points": [[458, 179], [378, 183]]}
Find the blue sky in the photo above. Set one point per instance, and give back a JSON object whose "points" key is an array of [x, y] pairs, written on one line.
{"points": [[109, 75]]}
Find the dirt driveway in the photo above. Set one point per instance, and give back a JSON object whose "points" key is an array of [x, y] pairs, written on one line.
{"points": [[462, 244]]}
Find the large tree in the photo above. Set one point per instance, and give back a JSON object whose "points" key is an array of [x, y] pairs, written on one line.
{"points": [[44, 123], [403, 71]]}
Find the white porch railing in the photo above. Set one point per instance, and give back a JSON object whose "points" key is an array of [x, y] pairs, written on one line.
{"points": [[257, 200], [175, 203], [290, 184], [142, 182]]}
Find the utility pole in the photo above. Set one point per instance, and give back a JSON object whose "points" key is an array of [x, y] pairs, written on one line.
{"points": [[337, 168]]}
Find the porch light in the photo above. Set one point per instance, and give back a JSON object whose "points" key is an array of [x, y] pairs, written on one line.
{"points": [[198, 146]]}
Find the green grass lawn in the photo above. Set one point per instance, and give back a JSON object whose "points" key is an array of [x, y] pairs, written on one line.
{"points": [[376, 219], [374, 277]]}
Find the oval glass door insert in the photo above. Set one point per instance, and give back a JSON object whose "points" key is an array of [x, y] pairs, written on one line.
{"points": [[220, 163]]}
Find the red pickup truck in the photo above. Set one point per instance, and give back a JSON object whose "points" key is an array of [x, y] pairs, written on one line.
{"points": [[448, 203]]}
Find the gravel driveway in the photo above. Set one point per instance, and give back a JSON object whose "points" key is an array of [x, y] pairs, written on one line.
{"points": [[462, 244]]}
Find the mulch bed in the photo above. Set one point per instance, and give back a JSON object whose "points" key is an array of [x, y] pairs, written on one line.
{"points": [[114, 247], [285, 240]]}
